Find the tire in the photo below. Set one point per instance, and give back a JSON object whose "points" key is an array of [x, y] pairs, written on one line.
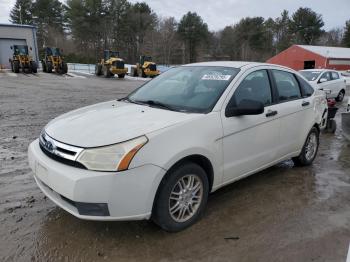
{"points": [[106, 72], [49, 67], [170, 186], [44, 66], [121, 75], [12, 67], [33, 67], [64, 68], [16, 66], [98, 70], [340, 96], [304, 159], [143, 74], [331, 126]]}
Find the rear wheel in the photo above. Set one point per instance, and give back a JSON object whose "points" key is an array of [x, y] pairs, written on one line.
{"points": [[331, 126], [33, 67], [340, 96], [98, 70], [44, 66], [181, 198], [16, 66], [64, 68], [121, 75], [107, 72], [49, 67], [310, 148]]}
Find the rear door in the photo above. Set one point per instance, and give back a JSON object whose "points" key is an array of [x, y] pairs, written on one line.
{"points": [[337, 82], [328, 84], [295, 109]]}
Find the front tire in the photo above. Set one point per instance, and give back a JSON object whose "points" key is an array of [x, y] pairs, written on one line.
{"points": [[310, 148], [340, 96], [181, 198]]}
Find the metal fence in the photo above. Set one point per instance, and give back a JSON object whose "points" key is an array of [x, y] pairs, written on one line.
{"points": [[87, 68]]}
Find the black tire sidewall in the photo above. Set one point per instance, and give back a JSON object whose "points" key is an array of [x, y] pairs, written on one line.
{"points": [[161, 214], [302, 157]]}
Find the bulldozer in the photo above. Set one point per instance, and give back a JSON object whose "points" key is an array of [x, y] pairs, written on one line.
{"points": [[21, 60], [53, 60], [111, 64], [145, 67]]}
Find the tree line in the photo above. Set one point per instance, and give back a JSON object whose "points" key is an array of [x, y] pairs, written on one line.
{"points": [[83, 29]]}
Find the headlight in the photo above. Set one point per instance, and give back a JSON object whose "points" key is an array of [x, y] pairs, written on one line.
{"points": [[112, 158]]}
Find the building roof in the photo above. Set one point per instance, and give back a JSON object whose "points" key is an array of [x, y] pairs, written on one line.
{"points": [[328, 51], [17, 25]]}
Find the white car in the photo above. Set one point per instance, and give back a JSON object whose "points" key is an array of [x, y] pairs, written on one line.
{"points": [[327, 79], [160, 151], [346, 76]]}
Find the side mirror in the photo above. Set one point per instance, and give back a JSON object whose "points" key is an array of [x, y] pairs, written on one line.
{"points": [[30, 48], [11, 47], [245, 107], [322, 80]]}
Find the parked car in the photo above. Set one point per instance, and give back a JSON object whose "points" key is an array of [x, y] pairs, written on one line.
{"points": [[158, 153], [327, 79], [346, 76]]}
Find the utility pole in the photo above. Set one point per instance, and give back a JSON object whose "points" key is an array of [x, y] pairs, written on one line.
{"points": [[20, 14]]}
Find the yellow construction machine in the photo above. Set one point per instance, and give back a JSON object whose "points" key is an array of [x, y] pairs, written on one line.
{"points": [[145, 67], [111, 65], [21, 60], [53, 60]]}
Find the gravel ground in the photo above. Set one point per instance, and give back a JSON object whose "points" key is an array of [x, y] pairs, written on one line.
{"points": [[282, 214]]}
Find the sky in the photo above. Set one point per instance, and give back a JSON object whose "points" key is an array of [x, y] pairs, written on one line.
{"points": [[219, 13]]}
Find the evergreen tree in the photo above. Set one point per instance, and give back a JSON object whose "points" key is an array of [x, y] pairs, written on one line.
{"points": [[21, 13]]}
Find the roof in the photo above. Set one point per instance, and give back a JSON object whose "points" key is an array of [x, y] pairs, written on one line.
{"points": [[235, 64], [328, 51], [16, 25]]}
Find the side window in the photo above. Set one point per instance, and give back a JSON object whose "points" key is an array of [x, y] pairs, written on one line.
{"points": [[307, 89], [287, 85], [256, 86], [326, 75], [335, 75]]}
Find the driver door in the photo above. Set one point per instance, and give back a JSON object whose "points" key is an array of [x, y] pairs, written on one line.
{"points": [[250, 141]]}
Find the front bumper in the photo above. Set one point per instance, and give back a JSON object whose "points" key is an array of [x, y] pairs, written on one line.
{"points": [[127, 195], [149, 72], [118, 71]]}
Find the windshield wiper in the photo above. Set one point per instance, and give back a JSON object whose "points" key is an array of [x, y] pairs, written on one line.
{"points": [[156, 104]]}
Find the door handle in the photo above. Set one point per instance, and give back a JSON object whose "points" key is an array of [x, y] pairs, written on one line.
{"points": [[271, 113], [305, 103]]}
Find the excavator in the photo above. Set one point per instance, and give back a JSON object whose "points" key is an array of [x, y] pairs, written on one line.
{"points": [[21, 60], [53, 60], [145, 67], [111, 64]]}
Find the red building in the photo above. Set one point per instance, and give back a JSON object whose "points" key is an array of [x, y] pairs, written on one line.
{"points": [[307, 57]]}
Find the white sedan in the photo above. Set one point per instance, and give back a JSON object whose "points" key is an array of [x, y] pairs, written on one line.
{"points": [[327, 79], [158, 153]]}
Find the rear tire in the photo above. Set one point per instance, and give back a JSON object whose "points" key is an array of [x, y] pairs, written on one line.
{"points": [[181, 197], [310, 148], [106, 72], [121, 75], [33, 67], [44, 66], [331, 126], [340, 96], [16, 66], [49, 67], [98, 70], [64, 68]]}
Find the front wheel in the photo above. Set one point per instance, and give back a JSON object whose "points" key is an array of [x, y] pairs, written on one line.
{"points": [[340, 96], [33, 67], [181, 198], [121, 75], [310, 148]]}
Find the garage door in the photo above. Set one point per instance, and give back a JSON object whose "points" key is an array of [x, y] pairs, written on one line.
{"points": [[5, 49]]}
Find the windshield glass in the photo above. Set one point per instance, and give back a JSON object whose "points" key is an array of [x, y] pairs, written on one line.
{"points": [[56, 52], [186, 88], [310, 75], [21, 49]]}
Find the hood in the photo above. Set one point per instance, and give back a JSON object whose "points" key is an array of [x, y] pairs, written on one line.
{"points": [[110, 123]]}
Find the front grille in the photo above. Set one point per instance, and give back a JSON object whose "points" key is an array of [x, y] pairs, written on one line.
{"points": [[153, 67], [61, 159], [60, 152]]}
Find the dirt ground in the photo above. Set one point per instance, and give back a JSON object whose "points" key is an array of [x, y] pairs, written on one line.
{"points": [[282, 214]]}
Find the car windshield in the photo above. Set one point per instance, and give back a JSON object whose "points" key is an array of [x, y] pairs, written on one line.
{"points": [[194, 89], [310, 75]]}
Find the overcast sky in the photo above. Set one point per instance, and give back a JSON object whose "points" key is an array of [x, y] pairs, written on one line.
{"points": [[219, 13]]}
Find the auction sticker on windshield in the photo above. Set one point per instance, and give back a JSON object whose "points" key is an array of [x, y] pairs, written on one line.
{"points": [[216, 77]]}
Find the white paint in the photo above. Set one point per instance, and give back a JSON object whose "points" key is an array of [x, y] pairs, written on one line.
{"points": [[74, 75], [235, 146]]}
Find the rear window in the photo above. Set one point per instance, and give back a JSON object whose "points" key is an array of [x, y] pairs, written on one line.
{"points": [[335, 75], [306, 88], [310, 75]]}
